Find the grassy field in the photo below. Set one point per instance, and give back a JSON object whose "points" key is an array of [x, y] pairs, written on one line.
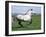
{"points": [[35, 25]]}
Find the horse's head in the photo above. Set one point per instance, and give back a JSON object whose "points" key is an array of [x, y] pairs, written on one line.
{"points": [[29, 12]]}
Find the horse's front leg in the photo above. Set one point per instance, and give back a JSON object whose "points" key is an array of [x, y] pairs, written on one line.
{"points": [[30, 21]]}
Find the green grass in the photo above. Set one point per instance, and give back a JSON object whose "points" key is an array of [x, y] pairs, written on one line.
{"points": [[35, 25]]}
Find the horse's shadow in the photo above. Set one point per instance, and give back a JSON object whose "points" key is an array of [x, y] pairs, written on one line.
{"points": [[19, 27], [23, 26]]}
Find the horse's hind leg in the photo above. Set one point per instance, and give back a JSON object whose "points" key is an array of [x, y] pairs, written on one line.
{"points": [[20, 23]]}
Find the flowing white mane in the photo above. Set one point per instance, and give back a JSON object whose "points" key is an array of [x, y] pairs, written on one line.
{"points": [[29, 13]]}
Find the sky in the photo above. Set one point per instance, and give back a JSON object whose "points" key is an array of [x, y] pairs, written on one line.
{"points": [[23, 9]]}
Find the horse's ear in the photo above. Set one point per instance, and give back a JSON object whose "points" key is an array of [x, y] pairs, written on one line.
{"points": [[31, 9]]}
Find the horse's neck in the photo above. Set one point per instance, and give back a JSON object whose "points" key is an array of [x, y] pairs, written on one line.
{"points": [[29, 13]]}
